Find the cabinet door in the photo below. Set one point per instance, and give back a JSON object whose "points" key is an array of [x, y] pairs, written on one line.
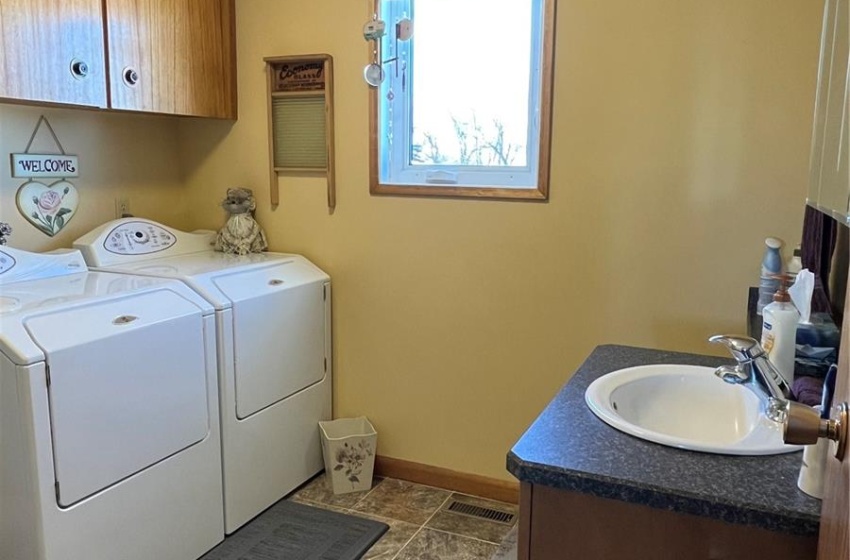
{"points": [[172, 56], [829, 179], [52, 51], [834, 537]]}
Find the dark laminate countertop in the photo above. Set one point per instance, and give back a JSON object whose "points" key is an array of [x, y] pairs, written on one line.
{"points": [[567, 447]]}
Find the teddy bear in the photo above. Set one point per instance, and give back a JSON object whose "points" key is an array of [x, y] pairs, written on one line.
{"points": [[241, 233]]}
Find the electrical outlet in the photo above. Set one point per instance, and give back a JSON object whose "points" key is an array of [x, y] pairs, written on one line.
{"points": [[122, 207]]}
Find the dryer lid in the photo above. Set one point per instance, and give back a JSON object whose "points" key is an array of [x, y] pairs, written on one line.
{"points": [[281, 332], [240, 284]]}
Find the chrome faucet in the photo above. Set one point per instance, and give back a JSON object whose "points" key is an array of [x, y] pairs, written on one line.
{"points": [[755, 371]]}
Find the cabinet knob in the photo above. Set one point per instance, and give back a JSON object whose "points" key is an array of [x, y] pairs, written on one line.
{"points": [[804, 426], [79, 69], [131, 77]]}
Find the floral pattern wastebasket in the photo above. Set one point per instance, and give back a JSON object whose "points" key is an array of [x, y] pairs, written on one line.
{"points": [[348, 447]]}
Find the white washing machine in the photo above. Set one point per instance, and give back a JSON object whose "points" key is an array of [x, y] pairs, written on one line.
{"points": [[109, 439], [274, 351]]}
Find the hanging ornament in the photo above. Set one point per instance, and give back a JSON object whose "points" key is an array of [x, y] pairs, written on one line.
{"points": [[48, 207]]}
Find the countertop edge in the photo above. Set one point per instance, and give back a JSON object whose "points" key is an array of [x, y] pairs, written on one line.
{"points": [[660, 498]]}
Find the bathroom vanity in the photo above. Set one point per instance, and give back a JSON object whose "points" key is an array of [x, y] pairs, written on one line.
{"points": [[590, 491]]}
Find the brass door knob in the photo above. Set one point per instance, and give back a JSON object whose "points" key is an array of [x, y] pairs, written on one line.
{"points": [[804, 426]]}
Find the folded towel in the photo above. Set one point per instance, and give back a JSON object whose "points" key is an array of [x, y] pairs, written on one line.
{"points": [[807, 390]]}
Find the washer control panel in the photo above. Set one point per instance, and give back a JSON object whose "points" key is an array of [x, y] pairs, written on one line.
{"points": [[19, 266], [138, 238], [7, 261]]}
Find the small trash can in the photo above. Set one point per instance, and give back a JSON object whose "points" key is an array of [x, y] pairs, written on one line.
{"points": [[348, 447]]}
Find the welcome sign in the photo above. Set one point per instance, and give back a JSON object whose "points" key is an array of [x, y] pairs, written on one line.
{"points": [[44, 165]]}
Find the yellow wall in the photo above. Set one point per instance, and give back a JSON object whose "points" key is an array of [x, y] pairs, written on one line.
{"points": [[133, 156], [681, 139]]}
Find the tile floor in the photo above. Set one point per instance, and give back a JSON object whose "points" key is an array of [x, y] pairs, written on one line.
{"points": [[421, 527]]}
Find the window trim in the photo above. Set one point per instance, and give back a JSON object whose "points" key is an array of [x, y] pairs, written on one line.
{"points": [[538, 193]]}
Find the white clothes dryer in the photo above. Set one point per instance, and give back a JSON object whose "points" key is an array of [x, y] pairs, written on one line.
{"points": [[274, 350], [109, 441]]}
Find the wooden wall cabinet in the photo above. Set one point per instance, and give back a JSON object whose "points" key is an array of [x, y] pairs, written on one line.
{"points": [[174, 57], [162, 56], [52, 51]]}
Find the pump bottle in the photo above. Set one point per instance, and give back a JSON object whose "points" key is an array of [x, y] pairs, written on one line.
{"points": [[779, 331]]}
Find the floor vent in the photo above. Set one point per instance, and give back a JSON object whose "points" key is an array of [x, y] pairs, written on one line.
{"points": [[482, 512]]}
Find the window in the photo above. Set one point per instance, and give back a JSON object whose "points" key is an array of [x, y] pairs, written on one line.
{"points": [[464, 105]]}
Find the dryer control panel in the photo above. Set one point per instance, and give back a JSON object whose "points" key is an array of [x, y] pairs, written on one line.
{"points": [[138, 238], [133, 240]]}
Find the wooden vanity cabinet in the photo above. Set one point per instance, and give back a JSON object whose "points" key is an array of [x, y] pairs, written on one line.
{"points": [[563, 525], [172, 57], [52, 51]]}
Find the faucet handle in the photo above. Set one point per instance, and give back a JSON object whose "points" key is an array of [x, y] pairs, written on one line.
{"points": [[742, 348]]}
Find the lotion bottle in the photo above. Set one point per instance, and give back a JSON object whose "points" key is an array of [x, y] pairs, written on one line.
{"points": [[779, 331]]}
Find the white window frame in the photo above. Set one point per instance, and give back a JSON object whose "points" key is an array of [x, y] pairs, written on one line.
{"points": [[390, 169]]}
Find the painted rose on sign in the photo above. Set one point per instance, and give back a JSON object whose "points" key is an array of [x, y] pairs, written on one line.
{"points": [[49, 213], [49, 208], [49, 201]]}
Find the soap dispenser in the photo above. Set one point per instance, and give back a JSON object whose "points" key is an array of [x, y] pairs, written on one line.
{"points": [[779, 331]]}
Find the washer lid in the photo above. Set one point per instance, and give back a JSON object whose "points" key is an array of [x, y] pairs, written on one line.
{"points": [[22, 300], [127, 387]]}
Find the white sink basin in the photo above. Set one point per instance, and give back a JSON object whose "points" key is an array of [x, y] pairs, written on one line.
{"points": [[686, 407]]}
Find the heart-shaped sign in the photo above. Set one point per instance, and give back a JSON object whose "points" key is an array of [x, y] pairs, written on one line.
{"points": [[48, 208]]}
